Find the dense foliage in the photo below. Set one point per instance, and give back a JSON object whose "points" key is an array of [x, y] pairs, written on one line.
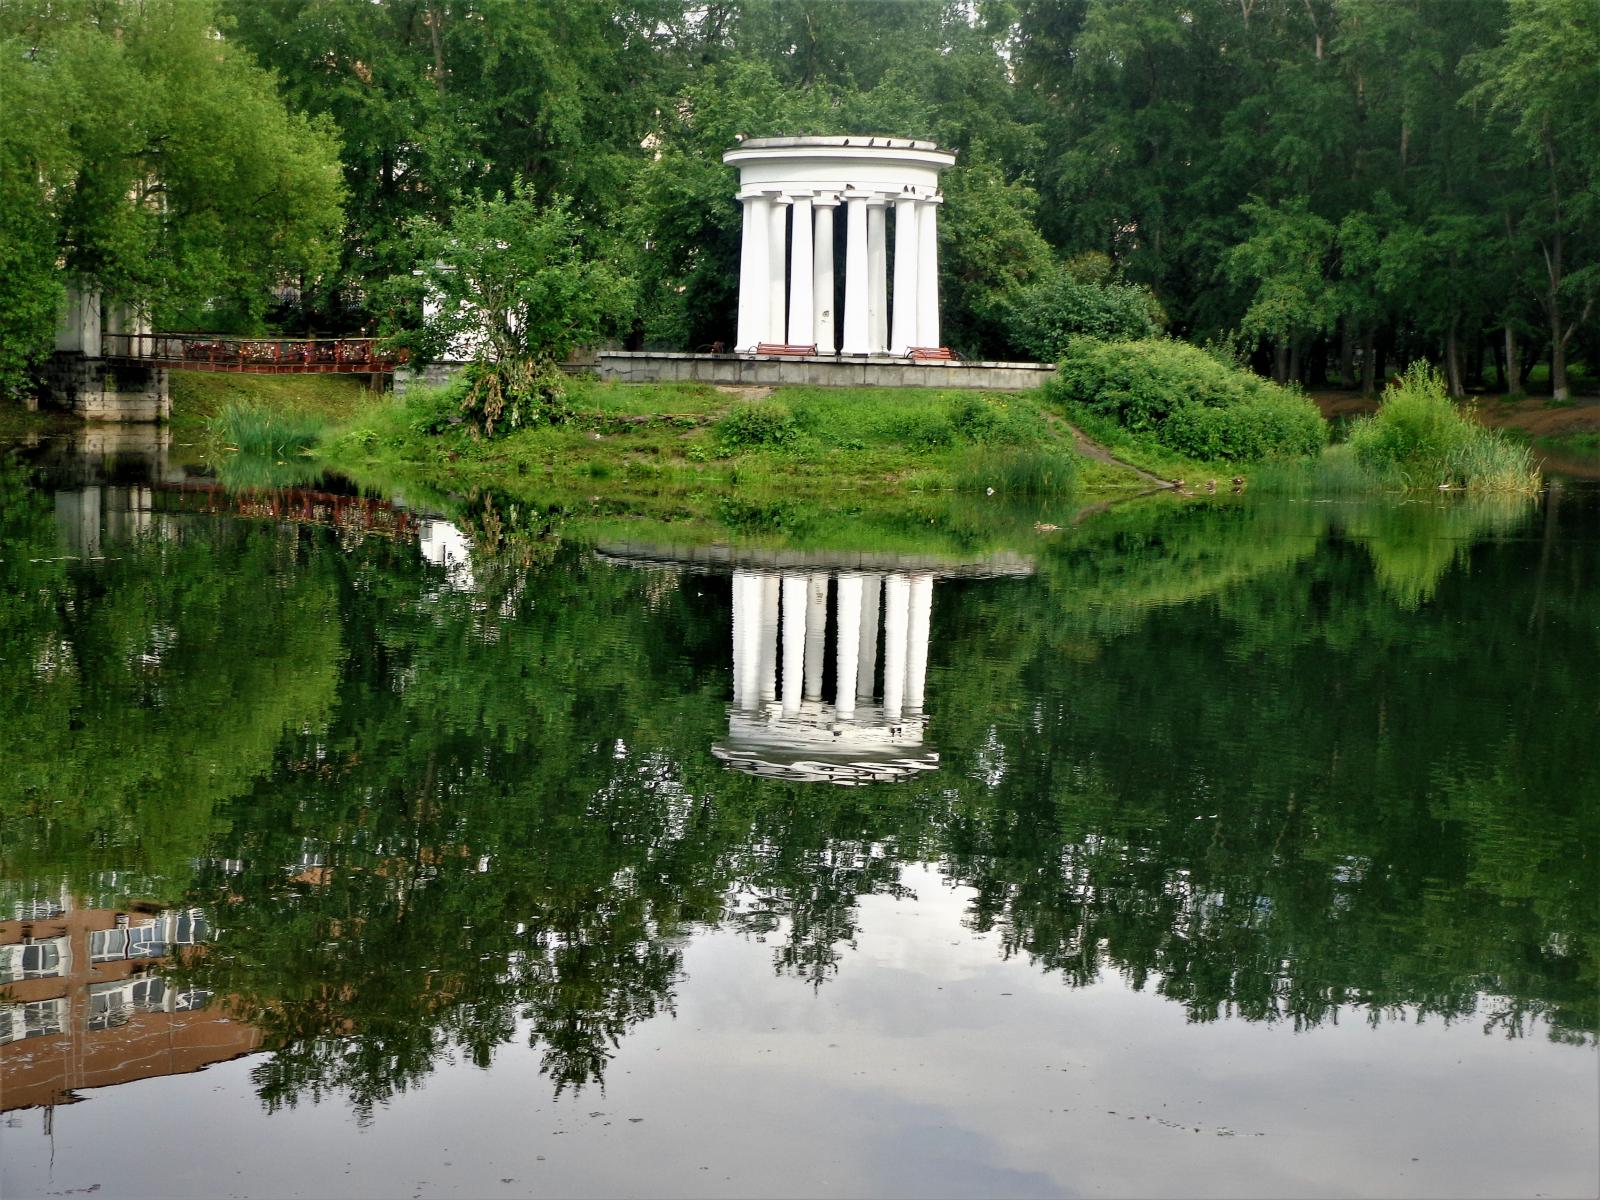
{"points": [[145, 157], [1348, 185], [1044, 317], [1353, 183], [1188, 400]]}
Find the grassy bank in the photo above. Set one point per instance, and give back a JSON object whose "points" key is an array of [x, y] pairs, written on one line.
{"points": [[201, 398], [833, 446]]}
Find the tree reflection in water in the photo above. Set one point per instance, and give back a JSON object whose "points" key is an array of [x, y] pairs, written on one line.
{"points": [[1237, 753]]}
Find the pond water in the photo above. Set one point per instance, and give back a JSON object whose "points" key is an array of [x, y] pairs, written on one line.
{"points": [[1242, 847]]}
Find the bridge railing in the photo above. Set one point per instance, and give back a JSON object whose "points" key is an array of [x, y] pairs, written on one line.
{"points": [[221, 352]]}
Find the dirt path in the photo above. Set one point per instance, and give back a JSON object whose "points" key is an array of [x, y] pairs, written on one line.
{"points": [[1534, 415], [1089, 448]]}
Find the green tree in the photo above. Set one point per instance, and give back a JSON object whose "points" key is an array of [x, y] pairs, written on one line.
{"points": [[1540, 79], [511, 284], [151, 160], [1285, 259], [509, 278]]}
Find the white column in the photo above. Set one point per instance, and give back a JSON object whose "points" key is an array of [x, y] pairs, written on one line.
{"points": [[857, 329], [904, 334], [878, 274], [847, 638], [816, 633], [802, 314], [867, 656], [753, 289], [794, 640], [917, 639], [928, 273], [896, 617], [826, 336], [768, 670], [777, 262], [78, 322]]}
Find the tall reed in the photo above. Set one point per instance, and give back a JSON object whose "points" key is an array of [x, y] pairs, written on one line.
{"points": [[254, 429]]}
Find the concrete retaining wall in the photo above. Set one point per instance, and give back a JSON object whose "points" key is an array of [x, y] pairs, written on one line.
{"points": [[644, 366]]}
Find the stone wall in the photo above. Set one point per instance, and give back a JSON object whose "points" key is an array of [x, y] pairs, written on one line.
{"points": [[634, 366], [97, 390], [433, 375]]}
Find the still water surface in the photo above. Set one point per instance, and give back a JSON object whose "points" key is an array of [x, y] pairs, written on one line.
{"points": [[1242, 848]]}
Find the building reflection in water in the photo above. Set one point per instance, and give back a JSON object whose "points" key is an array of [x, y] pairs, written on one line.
{"points": [[830, 656], [83, 1003]]}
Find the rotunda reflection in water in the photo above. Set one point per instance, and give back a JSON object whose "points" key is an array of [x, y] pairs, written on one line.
{"points": [[830, 657], [794, 718]]}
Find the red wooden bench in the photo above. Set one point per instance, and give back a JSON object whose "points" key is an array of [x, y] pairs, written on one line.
{"points": [[934, 354], [781, 348]]}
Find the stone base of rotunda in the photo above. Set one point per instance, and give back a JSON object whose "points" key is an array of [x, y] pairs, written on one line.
{"points": [[755, 370]]}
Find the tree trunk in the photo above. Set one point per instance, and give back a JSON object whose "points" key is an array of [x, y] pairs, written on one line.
{"points": [[1347, 354], [1452, 359], [1317, 370], [432, 19], [1294, 360], [1369, 362], [1280, 362], [1558, 366], [1513, 371]]}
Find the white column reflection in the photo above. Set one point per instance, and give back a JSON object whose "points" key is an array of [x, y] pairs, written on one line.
{"points": [[867, 656], [781, 723], [847, 645]]}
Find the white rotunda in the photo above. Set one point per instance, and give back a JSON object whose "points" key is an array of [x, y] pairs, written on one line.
{"points": [[793, 189]]}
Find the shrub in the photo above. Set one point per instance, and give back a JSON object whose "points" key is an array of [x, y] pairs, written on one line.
{"points": [[515, 394], [257, 430], [1421, 439], [757, 427], [434, 410], [1188, 400], [1043, 318], [992, 421]]}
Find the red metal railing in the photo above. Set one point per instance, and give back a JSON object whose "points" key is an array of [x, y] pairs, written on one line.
{"points": [[298, 505], [220, 352]]}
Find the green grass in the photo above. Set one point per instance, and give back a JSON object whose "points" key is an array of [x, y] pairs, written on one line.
{"points": [[1420, 439], [1029, 471], [1142, 450], [254, 430], [1572, 443], [198, 397], [643, 441]]}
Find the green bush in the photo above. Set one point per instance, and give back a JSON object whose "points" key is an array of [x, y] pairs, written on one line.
{"points": [[434, 410], [1188, 400], [757, 427], [515, 393], [1420, 438], [254, 429], [1044, 318]]}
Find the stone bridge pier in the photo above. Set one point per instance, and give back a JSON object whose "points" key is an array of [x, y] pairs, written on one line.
{"points": [[80, 379]]}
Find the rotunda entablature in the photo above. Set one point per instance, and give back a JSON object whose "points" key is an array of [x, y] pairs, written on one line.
{"points": [[872, 164]]}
